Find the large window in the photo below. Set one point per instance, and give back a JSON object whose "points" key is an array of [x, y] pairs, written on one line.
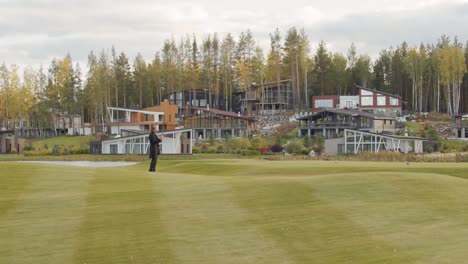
{"points": [[365, 122], [367, 101], [393, 101], [322, 103], [113, 149], [381, 100], [365, 92]]}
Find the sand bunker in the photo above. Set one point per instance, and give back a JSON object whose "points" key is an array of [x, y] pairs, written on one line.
{"points": [[93, 164]]}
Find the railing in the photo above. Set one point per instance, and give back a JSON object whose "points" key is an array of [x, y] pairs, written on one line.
{"points": [[329, 125]]}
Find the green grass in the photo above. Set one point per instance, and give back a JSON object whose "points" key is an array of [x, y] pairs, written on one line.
{"points": [[235, 211], [75, 141]]}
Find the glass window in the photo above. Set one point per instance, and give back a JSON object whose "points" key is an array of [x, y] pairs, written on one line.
{"points": [[381, 100], [365, 92], [113, 149], [365, 122], [380, 111], [393, 101], [323, 103], [366, 101]]}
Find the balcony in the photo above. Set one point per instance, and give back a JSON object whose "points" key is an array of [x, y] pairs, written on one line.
{"points": [[329, 125]]}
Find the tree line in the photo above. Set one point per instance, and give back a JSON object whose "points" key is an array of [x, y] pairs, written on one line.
{"points": [[429, 77]]}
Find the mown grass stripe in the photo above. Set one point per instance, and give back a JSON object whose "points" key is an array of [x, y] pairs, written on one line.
{"points": [[42, 227], [206, 224], [14, 179], [417, 213], [122, 223], [293, 213]]}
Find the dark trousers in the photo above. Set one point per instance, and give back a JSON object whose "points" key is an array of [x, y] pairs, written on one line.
{"points": [[154, 160]]}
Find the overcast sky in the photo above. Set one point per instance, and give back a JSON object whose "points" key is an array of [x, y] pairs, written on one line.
{"points": [[32, 32]]}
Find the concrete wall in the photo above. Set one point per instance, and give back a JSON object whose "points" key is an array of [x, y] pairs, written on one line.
{"points": [[331, 145], [384, 125]]}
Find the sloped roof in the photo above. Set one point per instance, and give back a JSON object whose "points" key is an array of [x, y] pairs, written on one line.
{"points": [[377, 91]]}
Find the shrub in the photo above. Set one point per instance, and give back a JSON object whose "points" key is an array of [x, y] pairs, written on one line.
{"points": [[238, 143], [79, 151], [263, 150], [307, 141], [204, 148], [249, 153], [257, 142], [428, 149], [220, 149], [55, 150], [276, 148], [195, 150], [294, 148], [28, 147], [66, 151], [212, 150]]}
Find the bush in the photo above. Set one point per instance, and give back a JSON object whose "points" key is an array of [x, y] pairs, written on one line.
{"points": [[212, 150], [307, 141], [294, 148], [79, 151], [55, 150], [66, 152], [204, 148], [276, 148], [257, 142], [428, 149], [238, 144], [249, 153], [195, 150], [28, 147]]}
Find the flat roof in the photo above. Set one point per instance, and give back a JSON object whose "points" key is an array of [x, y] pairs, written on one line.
{"points": [[345, 112], [223, 113], [135, 110]]}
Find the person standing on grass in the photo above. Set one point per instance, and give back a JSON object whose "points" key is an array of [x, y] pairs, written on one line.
{"points": [[154, 148]]}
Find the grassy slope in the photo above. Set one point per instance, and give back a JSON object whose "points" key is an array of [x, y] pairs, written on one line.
{"points": [[75, 141], [235, 211]]}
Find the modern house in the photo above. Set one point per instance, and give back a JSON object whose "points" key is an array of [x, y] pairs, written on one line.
{"points": [[354, 141], [321, 102], [163, 117], [207, 122], [265, 98], [331, 123], [354, 131], [461, 126], [196, 98], [378, 102], [137, 142], [11, 141], [368, 100]]}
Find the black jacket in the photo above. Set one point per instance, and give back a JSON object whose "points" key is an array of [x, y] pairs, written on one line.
{"points": [[154, 145]]}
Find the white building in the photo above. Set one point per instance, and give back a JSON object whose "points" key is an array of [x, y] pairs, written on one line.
{"points": [[173, 142]]}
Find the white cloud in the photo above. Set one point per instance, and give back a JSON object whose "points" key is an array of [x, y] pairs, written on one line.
{"points": [[33, 31]]}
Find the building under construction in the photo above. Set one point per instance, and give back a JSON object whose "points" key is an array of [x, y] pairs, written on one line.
{"points": [[265, 98]]}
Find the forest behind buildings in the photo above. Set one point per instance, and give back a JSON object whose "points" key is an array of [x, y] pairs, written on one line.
{"points": [[430, 77]]}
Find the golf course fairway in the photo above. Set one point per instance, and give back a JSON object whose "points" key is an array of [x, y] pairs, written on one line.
{"points": [[235, 211]]}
